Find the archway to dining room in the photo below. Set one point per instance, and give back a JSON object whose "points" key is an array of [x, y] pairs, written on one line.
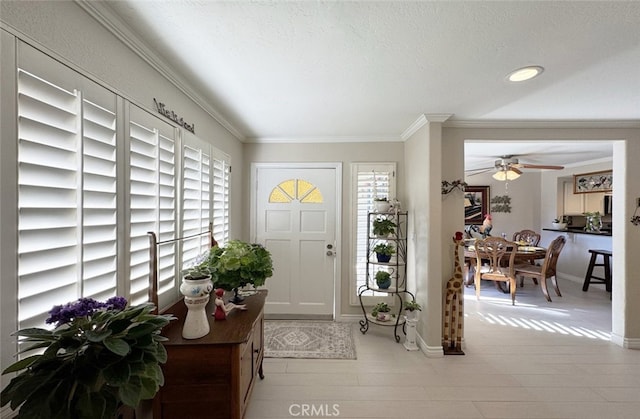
{"points": [[537, 214]]}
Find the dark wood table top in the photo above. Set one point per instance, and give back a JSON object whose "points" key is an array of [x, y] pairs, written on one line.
{"points": [[235, 329]]}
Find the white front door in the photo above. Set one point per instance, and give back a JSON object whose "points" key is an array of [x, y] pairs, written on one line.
{"points": [[295, 219]]}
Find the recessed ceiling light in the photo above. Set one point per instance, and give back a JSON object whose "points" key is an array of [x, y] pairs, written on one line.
{"points": [[525, 73]]}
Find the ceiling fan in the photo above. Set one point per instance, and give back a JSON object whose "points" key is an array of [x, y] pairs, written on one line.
{"points": [[508, 168]]}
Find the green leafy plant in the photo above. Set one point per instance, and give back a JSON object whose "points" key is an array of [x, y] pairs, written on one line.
{"points": [[412, 306], [383, 278], [199, 269], [383, 226], [238, 264], [380, 308], [99, 357], [384, 249], [381, 199]]}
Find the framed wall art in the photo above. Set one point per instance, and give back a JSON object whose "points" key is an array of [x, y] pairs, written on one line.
{"points": [[593, 182], [476, 204]]}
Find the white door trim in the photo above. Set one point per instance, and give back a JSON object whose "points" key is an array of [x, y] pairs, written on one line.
{"points": [[337, 285]]}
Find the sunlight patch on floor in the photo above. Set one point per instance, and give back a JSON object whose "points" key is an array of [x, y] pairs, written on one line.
{"points": [[541, 325]]}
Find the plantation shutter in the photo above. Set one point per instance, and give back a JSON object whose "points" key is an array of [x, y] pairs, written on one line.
{"points": [[196, 178], [152, 199], [99, 203], [369, 180], [221, 178], [66, 188]]}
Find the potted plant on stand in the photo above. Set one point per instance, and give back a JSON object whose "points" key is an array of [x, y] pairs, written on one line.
{"points": [[381, 312], [238, 264], [383, 227], [383, 279], [99, 359], [411, 308], [384, 251], [196, 287]]}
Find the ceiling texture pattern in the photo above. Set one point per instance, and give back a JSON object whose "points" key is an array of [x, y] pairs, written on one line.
{"points": [[367, 71]]}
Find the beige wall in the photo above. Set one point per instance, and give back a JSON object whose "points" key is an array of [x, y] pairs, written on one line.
{"points": [[345, 153]]}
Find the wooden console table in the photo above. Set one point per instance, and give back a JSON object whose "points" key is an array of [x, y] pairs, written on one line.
{"points": [[212, 377]]}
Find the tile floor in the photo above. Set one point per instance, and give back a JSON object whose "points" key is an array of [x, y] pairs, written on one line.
{"points": [[532, 360]]}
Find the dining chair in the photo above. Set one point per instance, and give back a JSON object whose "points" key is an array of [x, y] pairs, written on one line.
{"points": [[545, 271], [527, 236], [495, 262]]}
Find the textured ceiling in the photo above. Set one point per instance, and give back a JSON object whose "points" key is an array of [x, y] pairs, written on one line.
{"points": [[362, 70]]}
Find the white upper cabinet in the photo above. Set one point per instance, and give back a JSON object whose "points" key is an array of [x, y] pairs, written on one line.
{"points": [[577, 204]]}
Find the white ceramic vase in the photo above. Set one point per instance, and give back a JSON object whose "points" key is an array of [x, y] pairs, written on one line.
{"points": [[382, 206], [196, 296]]}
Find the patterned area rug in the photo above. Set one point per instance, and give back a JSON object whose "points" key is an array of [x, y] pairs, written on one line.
{"points": [[308, 339]]}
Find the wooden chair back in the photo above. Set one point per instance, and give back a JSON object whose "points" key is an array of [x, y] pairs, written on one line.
{"points": [[547, 270], [528, 236], [551, 258], [495, 262]]}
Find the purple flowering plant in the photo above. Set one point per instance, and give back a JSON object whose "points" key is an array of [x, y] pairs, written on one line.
{"points": [[99, 356]]}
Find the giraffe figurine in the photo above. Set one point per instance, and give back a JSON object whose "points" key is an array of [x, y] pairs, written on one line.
{"points": [[454, 306]]}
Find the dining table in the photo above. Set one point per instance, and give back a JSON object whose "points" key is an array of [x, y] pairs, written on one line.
{"points": [[524, 253]]}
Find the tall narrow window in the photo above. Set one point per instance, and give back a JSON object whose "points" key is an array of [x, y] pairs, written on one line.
{"points": [[99, 203], [66, 196], [196, 184], [152, 204], [221, 179], [369, 180]]}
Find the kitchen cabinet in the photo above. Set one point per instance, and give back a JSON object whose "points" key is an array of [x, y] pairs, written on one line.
{"points": [[577, 204]]}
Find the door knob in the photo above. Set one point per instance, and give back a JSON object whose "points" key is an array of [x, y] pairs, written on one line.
{"points": [[330, 253]]}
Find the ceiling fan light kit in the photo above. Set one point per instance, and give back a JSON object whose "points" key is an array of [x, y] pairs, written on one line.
{"points": [[505, 175]]}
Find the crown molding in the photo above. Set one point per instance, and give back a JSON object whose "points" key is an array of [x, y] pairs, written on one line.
{"points": [[101, 12], [323, 140], [438, 117], [415, 126], [422, 121], [539, 124]]}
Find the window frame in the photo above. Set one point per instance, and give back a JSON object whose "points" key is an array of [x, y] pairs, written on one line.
{"points": [[359, 220]]}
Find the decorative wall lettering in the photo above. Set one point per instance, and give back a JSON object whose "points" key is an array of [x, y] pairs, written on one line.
{"points": [[162, 110], [501, 203]]}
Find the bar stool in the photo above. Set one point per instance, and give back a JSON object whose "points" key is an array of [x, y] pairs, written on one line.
{"points": [[606, 264]]}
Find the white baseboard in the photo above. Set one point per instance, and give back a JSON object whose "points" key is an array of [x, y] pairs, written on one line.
{"points": [[629, 343], [429, 351]]}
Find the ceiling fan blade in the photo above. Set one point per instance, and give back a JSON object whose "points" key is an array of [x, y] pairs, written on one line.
{"points": [[515, 169], [474, 172], [480, 169], [541, 166]]}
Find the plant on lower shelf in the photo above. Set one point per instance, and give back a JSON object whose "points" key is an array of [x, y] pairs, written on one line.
{"points": [[380, 308], [99, 357]]}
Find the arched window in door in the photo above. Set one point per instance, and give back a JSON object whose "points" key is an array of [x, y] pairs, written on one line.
{"points": [[295, 189]]}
